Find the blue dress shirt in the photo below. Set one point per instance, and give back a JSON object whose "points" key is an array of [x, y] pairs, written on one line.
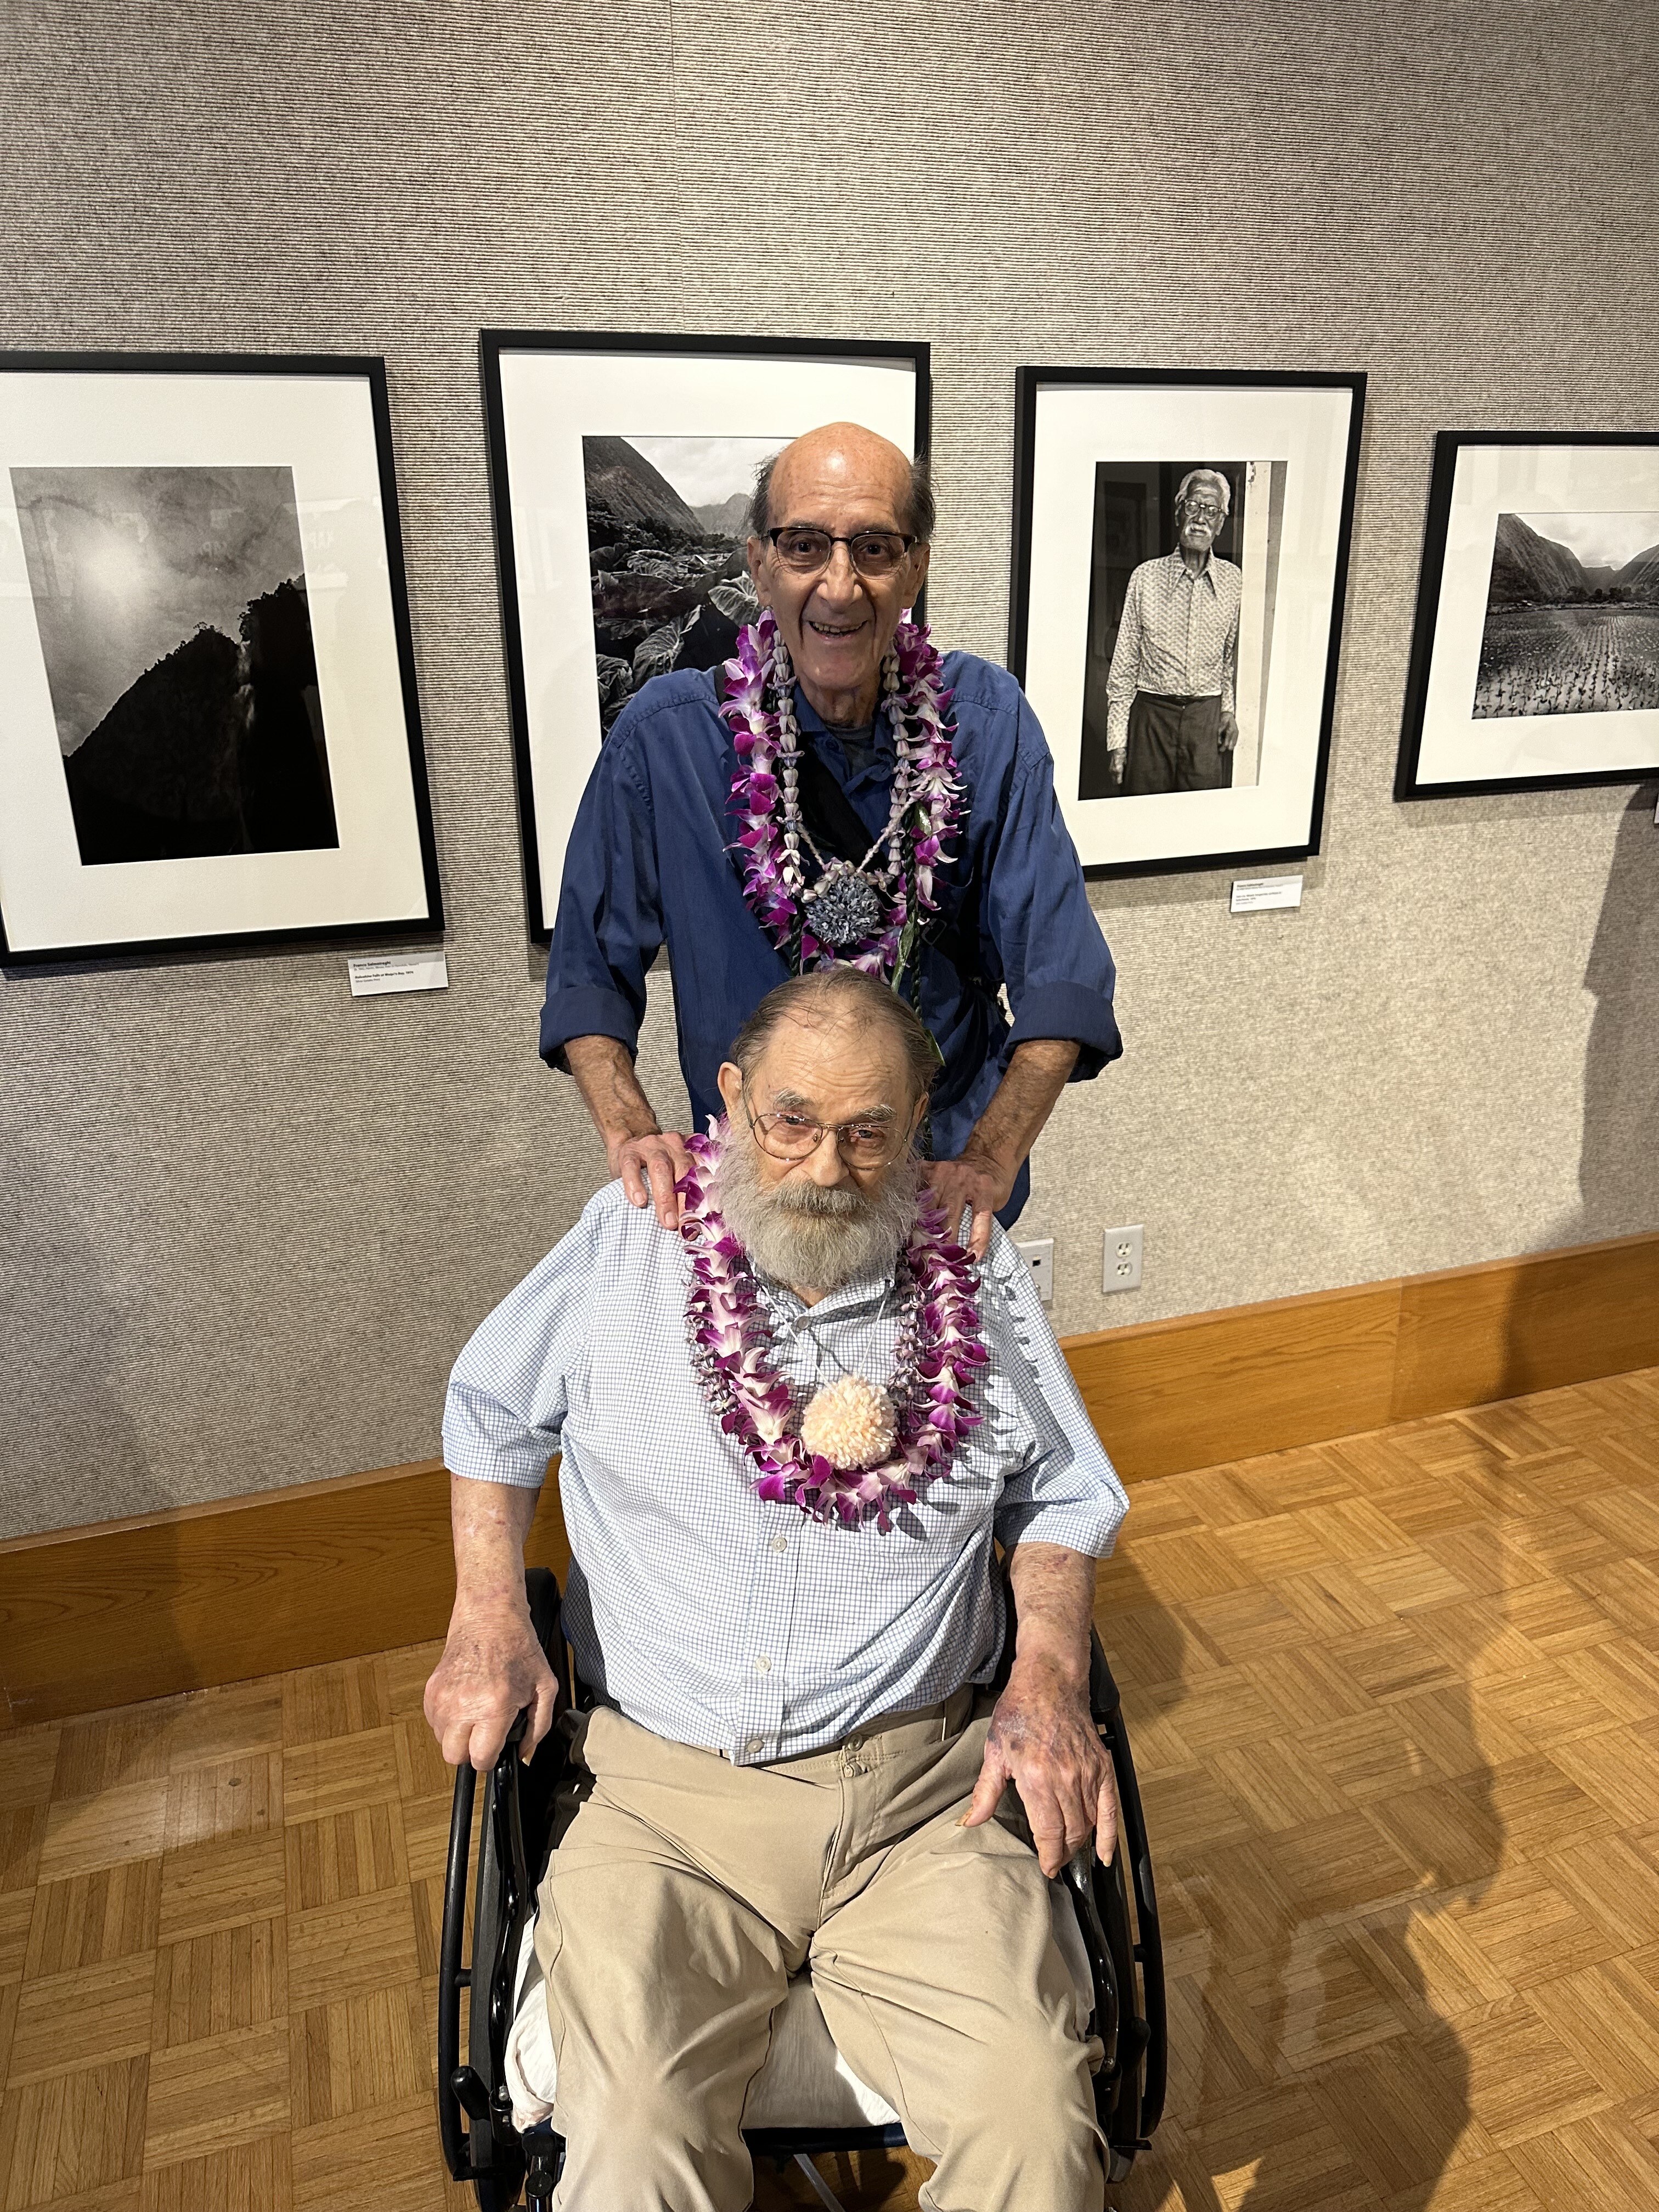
{"points": [[710, 1615], [648, 866]]}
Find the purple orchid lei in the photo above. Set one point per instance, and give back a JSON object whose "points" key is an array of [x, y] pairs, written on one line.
{"points": [[928, 797], [939, 1352]]}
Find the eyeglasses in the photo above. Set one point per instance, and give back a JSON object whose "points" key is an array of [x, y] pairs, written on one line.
{"points": [[872, 552], [1202, 511], [792, 1136]]}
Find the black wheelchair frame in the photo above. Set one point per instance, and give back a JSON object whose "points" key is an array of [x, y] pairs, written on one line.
{"points": [[475, 2112]]}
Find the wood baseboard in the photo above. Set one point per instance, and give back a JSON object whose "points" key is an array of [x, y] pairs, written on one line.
{"points": [[177, 1600], [1168, 1395]]}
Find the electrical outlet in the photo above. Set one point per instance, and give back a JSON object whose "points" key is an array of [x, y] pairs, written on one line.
{"points": [[1123, 1248], [1039, 1257]]}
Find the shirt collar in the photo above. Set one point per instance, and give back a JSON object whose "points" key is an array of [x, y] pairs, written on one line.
{"points": [[1206, 574], [863, 1291]]}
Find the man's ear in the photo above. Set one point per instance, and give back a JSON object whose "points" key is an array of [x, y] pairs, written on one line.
{"points": [[758, 549], [730, 1080]]}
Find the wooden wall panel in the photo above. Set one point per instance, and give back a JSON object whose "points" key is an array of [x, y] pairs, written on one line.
{"points": [[1476, 1333], [144, 1608], [1169, 1395]]}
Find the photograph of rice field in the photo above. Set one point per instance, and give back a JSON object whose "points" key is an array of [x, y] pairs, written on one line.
{"points": [[1572, 617]]}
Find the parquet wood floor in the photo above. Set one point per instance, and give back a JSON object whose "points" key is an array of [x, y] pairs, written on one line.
{"points": [[1394, 1703]]}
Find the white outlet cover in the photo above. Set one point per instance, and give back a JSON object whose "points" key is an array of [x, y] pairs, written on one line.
{"points": [[1124, 1252], [1039, 1257]]}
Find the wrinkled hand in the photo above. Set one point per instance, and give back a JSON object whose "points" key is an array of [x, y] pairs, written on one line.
{"points": [[649, 1168], [1227, 736], [492, 1668], [973, 1181], [1044, 1740]]}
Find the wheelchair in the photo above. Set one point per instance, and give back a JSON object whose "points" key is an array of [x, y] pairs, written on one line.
{"points": [[480, 2141]]}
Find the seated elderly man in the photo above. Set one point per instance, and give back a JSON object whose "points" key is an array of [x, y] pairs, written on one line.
{"points": [[790, 1436]]}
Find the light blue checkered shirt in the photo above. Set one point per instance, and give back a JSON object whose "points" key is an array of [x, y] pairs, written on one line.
{"points": [[704, 1612]]}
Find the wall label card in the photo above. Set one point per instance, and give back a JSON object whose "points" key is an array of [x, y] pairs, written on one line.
{"points": [[1262, 891], [425, 971]]}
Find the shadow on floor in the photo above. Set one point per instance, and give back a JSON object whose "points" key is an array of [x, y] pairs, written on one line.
{"points": [[1308, 2055]]}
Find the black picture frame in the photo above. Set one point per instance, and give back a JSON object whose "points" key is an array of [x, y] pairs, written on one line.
{"points": [[1203, 444], [544, 832], [1433, 622], [388, 643]]}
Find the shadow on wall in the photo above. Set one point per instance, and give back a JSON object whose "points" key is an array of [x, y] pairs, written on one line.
{"points": [[1619, 1165], [1619, 1160], [1303, 1849], [71, 1449]]}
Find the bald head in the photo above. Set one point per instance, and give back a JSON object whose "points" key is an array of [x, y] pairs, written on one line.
{"points": [[848, 461]]}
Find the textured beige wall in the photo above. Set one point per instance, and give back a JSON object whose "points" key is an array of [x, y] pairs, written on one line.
{"points": [[246, 1219]]}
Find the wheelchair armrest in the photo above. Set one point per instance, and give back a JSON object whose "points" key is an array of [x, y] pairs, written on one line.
{"points": [[1079, 1878]]}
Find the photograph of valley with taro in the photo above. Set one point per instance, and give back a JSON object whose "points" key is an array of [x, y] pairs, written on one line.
{"points": [[667, 536], [174, 624], [1572, 617]]}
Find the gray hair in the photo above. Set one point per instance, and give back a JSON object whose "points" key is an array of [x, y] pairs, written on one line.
{"points": [[832, 993], [1207, 476], [918, 514]]}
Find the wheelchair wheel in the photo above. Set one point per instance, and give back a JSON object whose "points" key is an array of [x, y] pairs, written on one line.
{"points": [[1118, 1908], [496, 2148], [1120, 2118]]}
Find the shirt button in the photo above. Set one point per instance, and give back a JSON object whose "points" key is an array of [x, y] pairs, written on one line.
{"points": [[763, 1665], [779, 1543], [755, 1745]]}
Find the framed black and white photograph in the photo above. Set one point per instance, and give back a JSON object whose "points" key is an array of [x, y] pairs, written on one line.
{"points": [[622, 465], [1181, 548], [1535, 656], [211, 737]]}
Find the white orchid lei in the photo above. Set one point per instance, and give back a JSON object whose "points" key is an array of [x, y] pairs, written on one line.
{"points": [[926, 806], [858, 1450]]}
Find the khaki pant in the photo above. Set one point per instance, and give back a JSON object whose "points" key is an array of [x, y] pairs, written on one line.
{"points": [[684, 1892]]}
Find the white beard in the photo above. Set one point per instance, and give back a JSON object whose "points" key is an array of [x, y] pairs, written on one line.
{"points": [[806, 1237]]}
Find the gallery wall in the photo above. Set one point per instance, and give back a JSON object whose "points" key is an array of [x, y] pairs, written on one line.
{"points": [[247, 1220]]}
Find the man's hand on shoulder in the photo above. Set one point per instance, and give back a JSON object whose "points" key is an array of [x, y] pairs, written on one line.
{"points": [[649, 1160], [973, 1182], [1043, 1740], [492, 1668], [1001, 1139], [649, 1168]]}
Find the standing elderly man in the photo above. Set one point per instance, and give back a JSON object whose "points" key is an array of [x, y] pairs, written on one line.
{"points": [[1170, 719], [837, 792], [789, 1438]]}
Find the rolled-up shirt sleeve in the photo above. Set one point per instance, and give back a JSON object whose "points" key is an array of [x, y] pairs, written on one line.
{"points": [[1053, 959], [610, 925], [1067, 1489], [510, 1389]]}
